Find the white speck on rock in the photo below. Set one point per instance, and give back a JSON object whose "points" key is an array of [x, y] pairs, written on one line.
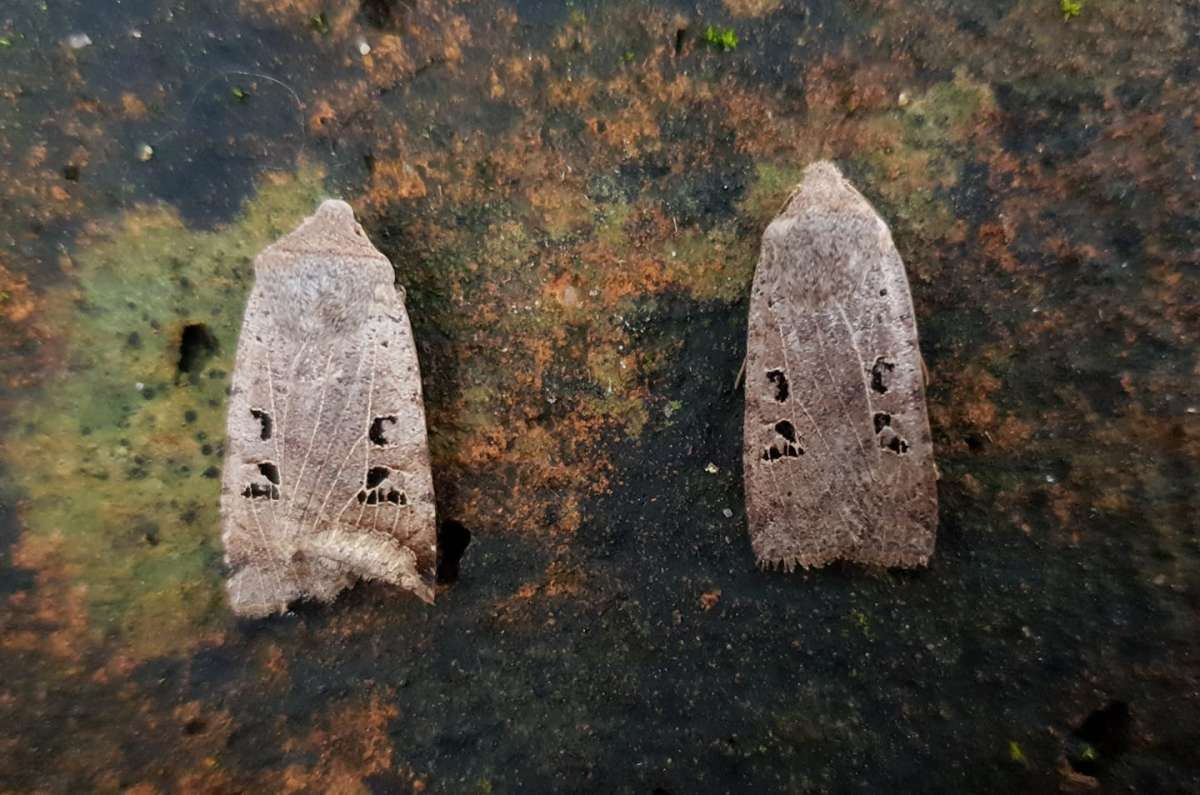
{"points": [[77, 41]]}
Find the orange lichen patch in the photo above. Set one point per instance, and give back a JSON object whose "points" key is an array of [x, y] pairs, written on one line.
{"points": [[752, 8], [995, 240], [132, 106], [456, 34], [57, 608], [561, 580], [17, 301], [1012, 432], [299, 14], [390, 60], [322, 118], [431, 35], [564, 207], [972, 409], [514, 74], [835, 86], [351, 744], [393, 181], [763, 131], [630, 130]]}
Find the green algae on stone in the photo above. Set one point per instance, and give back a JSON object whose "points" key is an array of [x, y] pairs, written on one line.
{"points": [[117, 457], [927, 156], [773, 183]]}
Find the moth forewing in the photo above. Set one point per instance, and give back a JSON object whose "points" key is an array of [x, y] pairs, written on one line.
{"points": [[838, 457], [326, 475]]}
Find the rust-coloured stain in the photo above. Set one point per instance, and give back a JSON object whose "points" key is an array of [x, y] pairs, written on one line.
{"points": [[837, 451], [326, 474]]}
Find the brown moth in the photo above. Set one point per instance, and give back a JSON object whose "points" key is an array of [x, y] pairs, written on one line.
{"points": [[837, 452], [326, 475]]}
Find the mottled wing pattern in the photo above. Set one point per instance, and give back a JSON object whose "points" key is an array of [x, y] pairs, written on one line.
{"points": [[327, 467], [837, 449]]}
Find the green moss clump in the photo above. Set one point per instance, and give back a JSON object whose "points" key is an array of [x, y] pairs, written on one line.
{"points": [[119, 456], [723, 39]]}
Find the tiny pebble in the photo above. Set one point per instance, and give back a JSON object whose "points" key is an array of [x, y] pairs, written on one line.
{"points": [[363, 47], [728, 513], [77, 41], [145, 152], [711, 469], [903, 100], [139, 386]]}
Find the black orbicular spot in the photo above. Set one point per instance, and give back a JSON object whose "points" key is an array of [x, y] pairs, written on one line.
{"points": [[265, 419], [259, 490], [269, 471], [376, 488], [786, 445], [882, 421], [376, 475], [779, 380], [881, 375], [268, 487], [379, 429]]}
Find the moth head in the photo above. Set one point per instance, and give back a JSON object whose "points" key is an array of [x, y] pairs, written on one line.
{"points": [[331, 231], [824, 188]]}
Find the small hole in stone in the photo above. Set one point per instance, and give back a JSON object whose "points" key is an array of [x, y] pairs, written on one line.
{"points": [[785, 429], [897, 445], [196, 347], [780, 381], [452, 541], [385, 14], [883, 292], [1109, 730], [194, 726], [264, 418], [70, 172], [974, 442], [882, 421], [680, 39]]}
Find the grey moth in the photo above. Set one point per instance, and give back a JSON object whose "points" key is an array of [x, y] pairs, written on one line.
{"points": [[326, 477]]}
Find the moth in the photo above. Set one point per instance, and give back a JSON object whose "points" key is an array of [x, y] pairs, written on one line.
{"points": [[326, 477], [837, 452]]}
